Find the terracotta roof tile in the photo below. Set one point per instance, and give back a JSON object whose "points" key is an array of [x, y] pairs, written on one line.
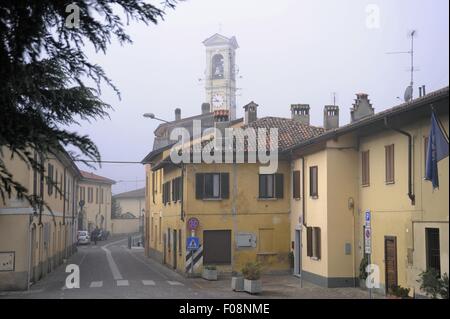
{"points": [[96, 178]]}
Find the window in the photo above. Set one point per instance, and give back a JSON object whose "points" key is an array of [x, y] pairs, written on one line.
{"points": [[365, 168], [313, 242], [90, 195], [101, 195], [212, 185], [433, 251], [217, 247], [82, 193], [153, 187], [389, 159], [296, 184], [177, 189], [265, 242], [271, 185], [96, 195], [314, 181], [166, 193], [217, 66], [50, 179], [55, 181]]}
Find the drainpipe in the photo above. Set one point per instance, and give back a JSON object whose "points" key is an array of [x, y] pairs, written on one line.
{"points": [[303, 192], [411, 195]]}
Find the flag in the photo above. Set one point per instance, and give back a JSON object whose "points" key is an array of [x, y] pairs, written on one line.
{"points": [[437, 149]]}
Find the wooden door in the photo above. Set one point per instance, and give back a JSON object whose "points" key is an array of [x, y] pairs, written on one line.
{"points": [[390, 260]]}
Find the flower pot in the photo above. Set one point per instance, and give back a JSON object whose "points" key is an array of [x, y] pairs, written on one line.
{"points": [[237, 283], [209, 274], [252, 286]]}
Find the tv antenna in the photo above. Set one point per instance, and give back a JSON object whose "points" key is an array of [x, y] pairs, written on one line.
{"points": [[408, 95]]}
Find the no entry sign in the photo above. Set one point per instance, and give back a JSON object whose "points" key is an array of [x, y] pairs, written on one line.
{"points": [[193, 223]]}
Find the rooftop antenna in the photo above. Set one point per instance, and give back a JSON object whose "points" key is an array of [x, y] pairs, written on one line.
{"points": [[334, 98], [408, 96]]}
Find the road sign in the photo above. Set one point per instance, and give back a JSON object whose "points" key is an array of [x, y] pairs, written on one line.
{"points": [[193, 223], [192, 243], [368, 234]]}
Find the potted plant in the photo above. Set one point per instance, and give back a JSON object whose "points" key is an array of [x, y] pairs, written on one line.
{"points": [[252, 277], [209, 272], [237, 282], [398, 292], [362, 272], [433, 285]]}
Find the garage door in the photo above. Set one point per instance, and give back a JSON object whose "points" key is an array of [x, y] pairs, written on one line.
{"points": [[217, 247]]}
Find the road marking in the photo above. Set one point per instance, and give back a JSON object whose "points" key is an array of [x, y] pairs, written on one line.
{"points": [[174, 283], [96, 284], [122, 283], [112, 265], [148, 282]]}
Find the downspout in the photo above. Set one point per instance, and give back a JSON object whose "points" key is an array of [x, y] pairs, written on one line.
{"points": [[303, 192], [411, 195]]}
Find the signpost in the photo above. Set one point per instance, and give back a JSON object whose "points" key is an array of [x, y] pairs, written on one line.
{"points": [[192, 242], [368, 243]]}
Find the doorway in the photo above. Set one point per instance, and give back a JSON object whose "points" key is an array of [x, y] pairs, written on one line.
{"points": [[390, 257], [297, 252], [174, 250]]}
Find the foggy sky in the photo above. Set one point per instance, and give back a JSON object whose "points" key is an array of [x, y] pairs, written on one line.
{"points": [[290, 52]]}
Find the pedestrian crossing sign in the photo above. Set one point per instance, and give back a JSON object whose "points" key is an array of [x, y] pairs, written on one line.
{"points": [[192, 243]]}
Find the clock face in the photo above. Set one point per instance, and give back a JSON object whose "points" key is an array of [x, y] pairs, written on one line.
{"points": [[218, 101]]}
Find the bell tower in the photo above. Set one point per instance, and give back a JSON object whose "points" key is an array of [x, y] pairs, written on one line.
{"points": [[220, 77]]}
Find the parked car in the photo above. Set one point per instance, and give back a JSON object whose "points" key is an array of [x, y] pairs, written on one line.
{"points": [[83, 237]]}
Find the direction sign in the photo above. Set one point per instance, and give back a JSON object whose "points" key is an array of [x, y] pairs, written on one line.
{"points": [[192, 243], [193, 223], [368, 234]]}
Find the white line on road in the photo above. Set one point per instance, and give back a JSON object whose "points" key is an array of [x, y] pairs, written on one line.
{"points": [[148, 282], [174, 283], [96, 284], [122, 283], [112, 265]]}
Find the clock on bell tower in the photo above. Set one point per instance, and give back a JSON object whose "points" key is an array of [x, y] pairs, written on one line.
{"points": [[220, 81]]}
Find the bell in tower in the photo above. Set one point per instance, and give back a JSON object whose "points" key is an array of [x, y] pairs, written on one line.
{"points": [[220, 83]]}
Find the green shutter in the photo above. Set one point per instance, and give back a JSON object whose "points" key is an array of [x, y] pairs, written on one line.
{"points": [[224, 185], [279, 185], [199, 185]]}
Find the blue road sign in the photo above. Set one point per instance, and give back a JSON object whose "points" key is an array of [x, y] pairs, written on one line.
{"points": [[192, 243]]}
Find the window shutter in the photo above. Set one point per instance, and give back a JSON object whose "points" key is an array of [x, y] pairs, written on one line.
{"points": [[199, 182], [296, 184], [317, 242], [181, 189], [174, 196], [309, 241], [279, 183], [224, 185], [261, 185]]}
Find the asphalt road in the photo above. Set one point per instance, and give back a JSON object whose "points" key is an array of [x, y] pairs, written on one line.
{"points": [[111, 270]]}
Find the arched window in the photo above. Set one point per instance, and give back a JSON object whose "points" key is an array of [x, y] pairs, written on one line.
{"points": [[217, 66]]}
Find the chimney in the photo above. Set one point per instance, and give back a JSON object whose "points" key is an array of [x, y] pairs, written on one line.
{"points": [[330, 117], [420, 91], [206, 108], [361, 108], [250, 113], [177, 114], [300, 112], [423, 90]]}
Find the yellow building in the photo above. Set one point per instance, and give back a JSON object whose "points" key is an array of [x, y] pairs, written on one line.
{"points": [[374, 164], [242, 215], [128, 211], [34, 240], [95, 194]]}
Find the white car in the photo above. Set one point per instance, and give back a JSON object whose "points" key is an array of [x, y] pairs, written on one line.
{"points": [[83, 237]]}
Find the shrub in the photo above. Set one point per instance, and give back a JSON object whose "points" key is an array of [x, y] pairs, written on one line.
{"points": [[252, 271], [210, 267], [399, 291], [362, 267], [443, 292], [431, 283]]}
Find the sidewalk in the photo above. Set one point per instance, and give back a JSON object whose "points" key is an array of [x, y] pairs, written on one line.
{"points": [[280, 286]]}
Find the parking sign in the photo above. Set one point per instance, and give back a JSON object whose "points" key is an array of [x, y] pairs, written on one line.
{"points": [[368, 233]]}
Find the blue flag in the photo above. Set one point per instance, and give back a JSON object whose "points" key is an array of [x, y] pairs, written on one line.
{"points": [[437, 149]]}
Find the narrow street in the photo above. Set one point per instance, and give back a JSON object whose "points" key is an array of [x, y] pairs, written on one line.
{"points": [[111, 270]]}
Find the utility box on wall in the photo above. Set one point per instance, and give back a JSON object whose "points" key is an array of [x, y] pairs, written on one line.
{"points": [[245, 240]]}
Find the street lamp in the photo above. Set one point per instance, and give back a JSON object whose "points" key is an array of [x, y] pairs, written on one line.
{"points": [[153, 117]]}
